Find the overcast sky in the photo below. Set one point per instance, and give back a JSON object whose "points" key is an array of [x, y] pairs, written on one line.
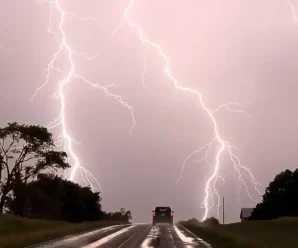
{"points": [[231, 51]]}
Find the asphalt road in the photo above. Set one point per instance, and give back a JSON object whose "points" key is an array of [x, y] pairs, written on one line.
{"points": [[132, 236]]}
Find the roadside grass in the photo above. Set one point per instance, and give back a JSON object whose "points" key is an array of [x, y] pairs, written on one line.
{"points": [[17, 232], [211, 236], [278, 233]]}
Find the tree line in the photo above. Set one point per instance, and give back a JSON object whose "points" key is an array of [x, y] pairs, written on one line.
{"points": [[30, 185], [280, 198]]}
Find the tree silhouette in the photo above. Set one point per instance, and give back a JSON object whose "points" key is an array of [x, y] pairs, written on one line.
{"points": [[280, 198], [25, 151], [212, 221], [194, 221], [80, 203], [121, 215], [52, 197]]}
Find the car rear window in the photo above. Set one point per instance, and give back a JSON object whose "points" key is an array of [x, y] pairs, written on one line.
{"points": [[163, 209]]}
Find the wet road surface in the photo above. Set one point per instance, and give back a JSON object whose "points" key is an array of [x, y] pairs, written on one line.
{"points": [[80, 240], [132, 236]]}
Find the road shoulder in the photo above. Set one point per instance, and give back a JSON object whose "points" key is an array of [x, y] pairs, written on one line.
{"points": [[210, 236]]}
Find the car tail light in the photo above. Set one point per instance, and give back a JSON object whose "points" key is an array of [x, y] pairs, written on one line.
{"points": [[172, 214], [154, 213]]}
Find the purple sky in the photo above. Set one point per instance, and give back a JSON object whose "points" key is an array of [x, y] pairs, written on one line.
{"points": [[236, 51]]}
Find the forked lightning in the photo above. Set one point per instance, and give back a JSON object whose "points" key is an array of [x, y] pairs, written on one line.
{"points": [[293, 10], [210, 188], [63, 46]]}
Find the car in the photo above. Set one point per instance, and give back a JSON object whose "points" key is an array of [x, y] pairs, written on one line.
{"points": [[162, 215]]}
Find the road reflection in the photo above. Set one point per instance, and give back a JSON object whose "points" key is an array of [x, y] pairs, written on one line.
{"points": [[190, 242], [153, 238]]}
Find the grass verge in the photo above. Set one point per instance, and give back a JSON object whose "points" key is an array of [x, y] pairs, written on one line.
{"points": [[214, 238], [278, 233], [17, 232]]}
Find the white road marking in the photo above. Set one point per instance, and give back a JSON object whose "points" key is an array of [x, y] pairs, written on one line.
{"points": [[172, 238], [120, 246], [59, 242], [108, 238]]}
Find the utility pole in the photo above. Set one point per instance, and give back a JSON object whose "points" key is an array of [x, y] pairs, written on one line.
{"points": [[223, 210]]}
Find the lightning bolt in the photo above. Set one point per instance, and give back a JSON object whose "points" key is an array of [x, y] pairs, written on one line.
{"points": [[210, 187], [61, 120], [293, 10], [229, 107]]}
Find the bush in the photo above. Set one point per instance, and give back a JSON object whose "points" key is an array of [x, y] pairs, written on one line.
{"points": [[212, 221], [194, 221]]}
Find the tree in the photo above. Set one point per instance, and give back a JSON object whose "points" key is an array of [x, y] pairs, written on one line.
{"points": [[121, 215], [80, 203], [126, 215], [52, 197], [25, 151], [194, 221], [212, 221], [280, 198]]}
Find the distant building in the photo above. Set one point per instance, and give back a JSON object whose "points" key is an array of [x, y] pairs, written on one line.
{"points": [[245, 214]]}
